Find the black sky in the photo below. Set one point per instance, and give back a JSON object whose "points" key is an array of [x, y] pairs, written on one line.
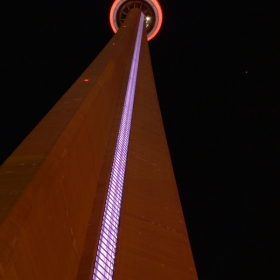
{"points": [[216, 65]]}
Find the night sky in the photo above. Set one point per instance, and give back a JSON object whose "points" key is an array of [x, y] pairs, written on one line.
{"points": [[216, 66]]}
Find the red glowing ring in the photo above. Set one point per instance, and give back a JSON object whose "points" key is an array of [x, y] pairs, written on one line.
{"points": [[158, 16]]}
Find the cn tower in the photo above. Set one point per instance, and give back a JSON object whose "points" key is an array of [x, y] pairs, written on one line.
{"points": [[90, 193]]}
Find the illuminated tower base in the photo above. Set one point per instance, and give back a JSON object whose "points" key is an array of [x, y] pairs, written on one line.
{"points": [[55, 186]]}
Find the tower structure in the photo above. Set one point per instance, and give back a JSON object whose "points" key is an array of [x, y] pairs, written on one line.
{"points": [[90, 193]]}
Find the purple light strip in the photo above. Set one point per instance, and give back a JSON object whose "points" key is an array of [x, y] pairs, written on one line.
{"points": [[104, 262]]}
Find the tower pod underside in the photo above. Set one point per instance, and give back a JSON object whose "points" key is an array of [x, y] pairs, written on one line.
{"points": [[150, 8]]}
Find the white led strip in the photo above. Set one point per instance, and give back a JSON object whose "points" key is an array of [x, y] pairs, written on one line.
{"points": [[105, 257]]}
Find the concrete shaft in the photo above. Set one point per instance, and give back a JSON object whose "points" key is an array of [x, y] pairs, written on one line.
{"points": [[53, 187]]}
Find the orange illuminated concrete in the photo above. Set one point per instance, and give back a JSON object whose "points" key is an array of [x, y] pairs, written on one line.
{"points": [[56, 177], [53, 187]]}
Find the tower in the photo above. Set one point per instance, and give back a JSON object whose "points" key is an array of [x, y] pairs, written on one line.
{"points": [[90, 193]]}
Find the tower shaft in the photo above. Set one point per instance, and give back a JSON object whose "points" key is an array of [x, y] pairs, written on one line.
{"points": [[54, 185]]}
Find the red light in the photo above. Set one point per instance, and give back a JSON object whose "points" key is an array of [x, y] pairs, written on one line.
{"points": [[86, 80], [124, 26], [114, 44]]}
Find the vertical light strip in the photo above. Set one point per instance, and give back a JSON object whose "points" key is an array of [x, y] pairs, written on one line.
{"points": [[105, 257]]}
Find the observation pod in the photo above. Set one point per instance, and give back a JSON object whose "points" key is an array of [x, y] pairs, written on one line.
{"points": [[150, 8]]}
